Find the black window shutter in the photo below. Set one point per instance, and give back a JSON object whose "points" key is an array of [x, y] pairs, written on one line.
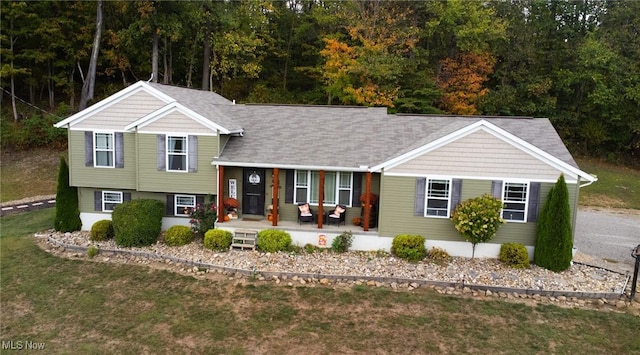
{"points": [[357, 189], [496, 189], [193, 154], [119, 142], [126, 196], [97, 200], [534, 201], [161, 152], [456, 193], [170, 210], [88, 148], [421, 185], [288, 186]]}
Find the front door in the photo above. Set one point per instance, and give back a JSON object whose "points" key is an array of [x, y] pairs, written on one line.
{"points": [[253, 192]]}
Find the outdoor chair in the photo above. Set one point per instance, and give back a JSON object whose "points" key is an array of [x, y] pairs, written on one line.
{"points": [[305, 214], [337, 216]]}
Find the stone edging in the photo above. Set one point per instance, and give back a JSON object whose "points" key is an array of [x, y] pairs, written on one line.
{"points": [[421, 282]]}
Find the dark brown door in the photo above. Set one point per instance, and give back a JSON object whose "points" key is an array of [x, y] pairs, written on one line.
{"points": [[253, 192]]}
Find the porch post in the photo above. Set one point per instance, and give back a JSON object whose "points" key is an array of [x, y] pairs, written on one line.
{"points": [[320, 198], [220, 193], [367, 201], [274, 201]]}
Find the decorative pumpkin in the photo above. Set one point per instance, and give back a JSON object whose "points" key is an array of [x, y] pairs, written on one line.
{"points": [[227, 218]]}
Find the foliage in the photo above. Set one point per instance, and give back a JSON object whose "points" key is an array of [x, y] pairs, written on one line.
{"points": [[137, 222], [67, 209], [409, 247], [273, 240], [373, 198], [438, 256], [342, 242], [92, 251], [461, 81], [310, 248], [35, 130], [231, 202], [554, 239], [514, 255], [178, 236], [102, 230], [478, 219], [203, 217], [217, 239]]}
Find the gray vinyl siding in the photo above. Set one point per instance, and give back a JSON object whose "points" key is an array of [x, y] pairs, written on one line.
{"points": [[150, 179], [175, 122], [86, 198], [397, 212], [118, 115], [107, 178]]}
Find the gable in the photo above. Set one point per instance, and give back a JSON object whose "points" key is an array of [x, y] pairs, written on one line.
{"points": [[176, 122], [478, 154], [121, 113]]}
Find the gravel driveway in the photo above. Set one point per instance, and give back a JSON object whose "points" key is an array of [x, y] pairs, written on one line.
{"points": [[608, 236]]}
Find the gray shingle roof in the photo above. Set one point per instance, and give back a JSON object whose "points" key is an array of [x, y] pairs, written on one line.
{"points": [[350, 137]]}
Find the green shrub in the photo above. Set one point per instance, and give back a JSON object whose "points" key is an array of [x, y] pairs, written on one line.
{"points": [[217, 239], [67, 211], [554, 241], [342, 243], [514, 255], [137, 222], [478, 219], [101, 230], [176, 236], [438, 256], [409, 247], [92, 252], [273, 240]]}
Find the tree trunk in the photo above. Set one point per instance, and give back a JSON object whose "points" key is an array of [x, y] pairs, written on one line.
{"points": [[89, 84], [206, 57], [154, 57]]}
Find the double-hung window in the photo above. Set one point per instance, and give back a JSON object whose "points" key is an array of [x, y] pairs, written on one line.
{"points": [[110, 199], [184, 204], [338, 187], [103, 150], [438, 197], [514, 198], [177, 153]]}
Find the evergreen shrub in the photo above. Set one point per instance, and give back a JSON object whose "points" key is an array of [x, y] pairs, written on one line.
{"points": [[342, 243], [273, 240], [514, 255], [137, 222], [217, 239], [67, 211], [177, 236], [409, 247], [101, 230]]}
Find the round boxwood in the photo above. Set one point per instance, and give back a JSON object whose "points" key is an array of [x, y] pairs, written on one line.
{"points": [[178, 235], [217, 239], [273, 240], [101, 230], [514, 255], [409, 247], [137, 222]]}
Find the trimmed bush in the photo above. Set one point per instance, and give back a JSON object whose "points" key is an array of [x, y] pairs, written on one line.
{"points": [[554, 239], [273, 240], [342, 243], [101, 230], [409, 247], [217, 239], [176, 236], [137, 222], [477, 219], [514, 255], [67, 210], [438, 256], [92, 252]]}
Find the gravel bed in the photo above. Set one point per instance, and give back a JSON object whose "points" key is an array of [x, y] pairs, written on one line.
{"points": [[480, 271]]}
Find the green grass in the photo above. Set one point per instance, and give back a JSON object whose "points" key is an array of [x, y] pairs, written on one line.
{"points": [[617, 186], [92, 307], [29, 173]]}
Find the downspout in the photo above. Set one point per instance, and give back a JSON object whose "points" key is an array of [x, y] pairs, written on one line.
{"points": [[137, 143]]}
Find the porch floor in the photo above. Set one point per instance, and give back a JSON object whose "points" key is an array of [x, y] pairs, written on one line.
{"points": [[254, 222]]}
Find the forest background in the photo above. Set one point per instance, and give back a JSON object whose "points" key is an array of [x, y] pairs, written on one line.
{"points": [[575, 62]]}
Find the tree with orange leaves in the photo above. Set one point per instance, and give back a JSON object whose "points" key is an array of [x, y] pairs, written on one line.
{"points": [[461, 81]]}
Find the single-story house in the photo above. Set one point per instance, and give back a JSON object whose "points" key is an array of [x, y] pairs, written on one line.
{"points": [[179, 145]]}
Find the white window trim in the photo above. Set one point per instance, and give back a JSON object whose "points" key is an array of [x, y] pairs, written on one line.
{"points": [[426, 196], [112, 138], [336, 192], [186, 153], [104, 201], [182, 207], [526, 201]]}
